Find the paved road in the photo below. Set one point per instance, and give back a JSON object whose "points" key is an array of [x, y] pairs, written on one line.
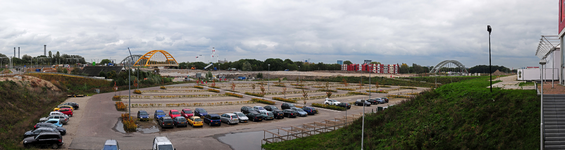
{"points": [[100, 117]]}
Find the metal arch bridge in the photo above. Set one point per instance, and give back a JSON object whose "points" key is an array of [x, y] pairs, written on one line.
{"points": [[128, 61], [445, 62], [150, 59]]}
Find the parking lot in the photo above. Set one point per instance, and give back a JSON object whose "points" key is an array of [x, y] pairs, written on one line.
{"points": [[96, 121]]}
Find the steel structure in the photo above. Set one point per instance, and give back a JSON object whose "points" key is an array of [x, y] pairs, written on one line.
{"points": [[445, 62], [547, 44], [128, 61], [147, 60]]}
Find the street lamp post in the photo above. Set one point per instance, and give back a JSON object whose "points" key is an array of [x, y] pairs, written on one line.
{"points": [[269, 78], [489, 29], [541, 62]]}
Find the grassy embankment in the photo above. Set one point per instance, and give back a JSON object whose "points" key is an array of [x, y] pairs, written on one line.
{"points": [[462, 115], [412, 81]]}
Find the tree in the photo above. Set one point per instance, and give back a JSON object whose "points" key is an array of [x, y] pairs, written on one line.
{"points": [[50, 55], [246, 66], [347, 62], [104, 61], [26, 58], [404, 68]]}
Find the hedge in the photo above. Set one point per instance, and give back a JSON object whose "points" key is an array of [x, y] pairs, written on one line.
{"points": [[200, 87], [255, 94], [214, 90], [263, 101], [357, 93], [328, 106], [347, 89], [284, 99], [234, 95], [163, 87], [137, 91], [120, 106]]}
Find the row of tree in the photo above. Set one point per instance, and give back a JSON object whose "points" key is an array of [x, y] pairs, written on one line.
{"points": [[44, 60], [274, 64]]}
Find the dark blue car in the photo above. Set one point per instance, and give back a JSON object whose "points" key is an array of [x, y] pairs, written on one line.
{"points": [[200, 112], [310, 110], [159, 114], [142, 115], [213, 119]]}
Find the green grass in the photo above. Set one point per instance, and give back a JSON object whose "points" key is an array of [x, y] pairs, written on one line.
{"points": [[461, 115], [526, 84]]}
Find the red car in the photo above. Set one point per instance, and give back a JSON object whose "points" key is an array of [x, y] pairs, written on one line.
{"points": [[187, 113], [67, 111], [173, 113]]}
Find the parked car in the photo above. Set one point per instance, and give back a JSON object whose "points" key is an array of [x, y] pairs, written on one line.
{"points": [[287, 105], [166, 122], [173, 113], [57, 113], [310, 110], [300, 112], [62, 117], [254, 116], [75, 105], [360, 102], [111, 145], [278, 114], [229, 118], [180, 121], [158, 114], [56, 122], [241, 117], [195, 121], [61, 130], [381, 100], [212, 119], [271, 107], [267, 115], [331, 102], [63, 106], [186, 113], [247, 109], [290, 113], [385, 98], [200, 112], [162, 143], [142, 115], [37, 131], [373, 100], [50, 139], [345, 105], [259, 108], [66, 111]]}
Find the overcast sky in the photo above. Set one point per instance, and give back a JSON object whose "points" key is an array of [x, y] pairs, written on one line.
{"points": [[424, 32]]}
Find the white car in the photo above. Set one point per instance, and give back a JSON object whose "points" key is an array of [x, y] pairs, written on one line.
{"points": [[331, 102], [241, 117]]}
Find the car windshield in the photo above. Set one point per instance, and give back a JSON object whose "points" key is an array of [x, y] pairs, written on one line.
{"points": [[274, 107], [298, 109], [160, 113], [215, 117], [187, 111], [143, 113], [167, 119], [165, 147], [260, 108], [110, 147], [181, 119], [175, 112], [240, 114], [202, 111], [197, 119], [51, 125]]}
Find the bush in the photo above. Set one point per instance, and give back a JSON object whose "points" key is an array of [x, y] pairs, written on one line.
{"points": [[129, 123], [137, 91], [375, 91], [300, 87], [324, 90], [263, 101], [216, 87], [163, 87], [255, 94], [403, 87], [234, 95], [284, 99], [357, 93], [346, 89], [200, 87], [328, 106], [214, 90], [120, 106], [116, 98]]}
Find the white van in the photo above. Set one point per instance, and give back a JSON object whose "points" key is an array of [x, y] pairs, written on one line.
{"points": [[162, 143]]}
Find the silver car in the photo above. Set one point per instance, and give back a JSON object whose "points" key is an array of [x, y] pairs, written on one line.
{"points": [[259, 108], [300, 112], [270, 115], [63, 118], [242, 117], [229, 118]]}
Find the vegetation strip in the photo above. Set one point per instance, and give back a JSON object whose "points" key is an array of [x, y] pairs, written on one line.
{"points": [[284, 99], [172, 96], [268, 102], [328, 106]]}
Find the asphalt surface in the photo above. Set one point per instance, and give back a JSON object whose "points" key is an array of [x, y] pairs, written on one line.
{"points": [[98, 118]]}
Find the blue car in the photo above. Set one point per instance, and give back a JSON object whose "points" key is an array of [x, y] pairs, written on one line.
{"points": [[310, 110], [159, 114], [200, 112], [142, 115], [56, 122], [213, 119]]}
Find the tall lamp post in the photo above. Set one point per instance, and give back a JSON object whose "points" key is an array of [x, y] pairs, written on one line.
{"points": [[489, 29], [129, 85], [269, 78], [541, 62]]}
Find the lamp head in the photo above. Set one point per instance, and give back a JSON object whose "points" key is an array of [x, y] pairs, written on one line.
{"points": [[489, 29], [542, 62]]}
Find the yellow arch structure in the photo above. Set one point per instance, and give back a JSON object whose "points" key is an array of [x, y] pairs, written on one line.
{"points": [[147, 56]]}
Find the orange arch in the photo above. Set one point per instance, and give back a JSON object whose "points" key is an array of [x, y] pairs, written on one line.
{"points": [[147, 56]]}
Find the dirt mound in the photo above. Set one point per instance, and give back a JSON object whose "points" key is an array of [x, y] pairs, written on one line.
{"points": [[33, 82]]}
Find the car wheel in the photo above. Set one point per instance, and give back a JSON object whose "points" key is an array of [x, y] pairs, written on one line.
{"points": [[55, 146]]}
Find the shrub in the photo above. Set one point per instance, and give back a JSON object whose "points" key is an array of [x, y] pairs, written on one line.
{"points": [[129, 123], [120, 106], [255, 94], [116, 98], [234, 95], [137, 91], [328, 106], [263, 101], [346, 89], [300, 87], [357, 93], [163, 87], [324, 90], [214, 90], [216, 87], [403, 87], [200, 87], [284, 99], [375, 91], [398, 96]]}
